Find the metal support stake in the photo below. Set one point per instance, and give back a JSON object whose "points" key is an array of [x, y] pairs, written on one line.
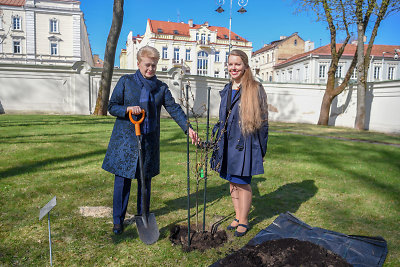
{"points": [[188, 158], [51, 258], [206, 158]]}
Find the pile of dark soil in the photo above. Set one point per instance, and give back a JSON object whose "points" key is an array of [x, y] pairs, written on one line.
{"points": [[198, 240], [283, 252]]}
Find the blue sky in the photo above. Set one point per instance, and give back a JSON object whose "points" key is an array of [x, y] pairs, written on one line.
{"points": [[265, 21]]}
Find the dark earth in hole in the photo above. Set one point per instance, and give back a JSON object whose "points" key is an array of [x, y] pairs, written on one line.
{"points": [[199, 240], [286, 252]]}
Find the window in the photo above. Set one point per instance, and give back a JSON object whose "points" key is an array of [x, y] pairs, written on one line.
{"points": [[306, 74], [16, 20], [176, 55], [209, 37], [216, 56], [225, 36], [338, 73], [390, 73], [197, 36], [202, 63], [226, 75], [295, 42], [17, 47], [267, 58], [354, 75], [176, 32], [290, 75], [54, 49], [237, 37], [54, 25], [216, 74], [1, 22], [188, 55], [159, 30], [203, 38], [164, 52], [226, 57], [164, 69], [1, 45], [322, 71], [377, 70]]}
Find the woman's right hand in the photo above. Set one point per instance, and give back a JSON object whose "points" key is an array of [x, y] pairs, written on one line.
{"points": [[136, 110]]}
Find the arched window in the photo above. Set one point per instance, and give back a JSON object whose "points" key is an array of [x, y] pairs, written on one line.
{"points": [[202, 63]]}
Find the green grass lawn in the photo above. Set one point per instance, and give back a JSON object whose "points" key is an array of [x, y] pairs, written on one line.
{"points": [[348, 187]]}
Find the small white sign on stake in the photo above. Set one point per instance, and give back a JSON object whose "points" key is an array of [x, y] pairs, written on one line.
{"points": [[46, 210]]}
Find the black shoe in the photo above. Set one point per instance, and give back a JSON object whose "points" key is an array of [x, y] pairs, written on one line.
{"points": [[118, 229], [240, 234], [230, 227]]}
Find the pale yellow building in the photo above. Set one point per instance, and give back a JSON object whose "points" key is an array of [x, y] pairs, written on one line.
{"points": [[264, 59], [43, 32], [199, 49]]}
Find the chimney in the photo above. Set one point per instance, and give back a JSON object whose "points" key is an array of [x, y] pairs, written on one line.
{"points": [[282, 37], [206, 23], [190, 22]]}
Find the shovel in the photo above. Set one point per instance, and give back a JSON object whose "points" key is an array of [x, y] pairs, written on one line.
{"points": [[146, 223]]}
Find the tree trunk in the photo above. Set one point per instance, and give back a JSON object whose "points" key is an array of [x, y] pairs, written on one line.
{"points": [[109, 58], [361, 79], [327, 99]]}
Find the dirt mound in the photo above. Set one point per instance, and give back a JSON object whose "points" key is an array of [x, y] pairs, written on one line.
{"points": [[283, 252], [198, 240]]}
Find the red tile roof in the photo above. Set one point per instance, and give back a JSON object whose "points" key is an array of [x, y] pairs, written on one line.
{"points": [[377, 51], [12, 2], [182, 29]]}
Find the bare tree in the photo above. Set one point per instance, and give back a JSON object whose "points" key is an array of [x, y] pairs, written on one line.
{"points": [[334, 12], [363, 13], [109, 57]]}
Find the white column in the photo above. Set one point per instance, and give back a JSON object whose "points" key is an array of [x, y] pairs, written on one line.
{"points": [[76, 36], [30, 35]]}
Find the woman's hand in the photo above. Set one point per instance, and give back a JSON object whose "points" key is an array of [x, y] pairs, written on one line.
{"points": [[193, 135], [136, 110]]}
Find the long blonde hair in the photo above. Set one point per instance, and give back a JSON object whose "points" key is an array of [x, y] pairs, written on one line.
{"points": [[253, 103]]}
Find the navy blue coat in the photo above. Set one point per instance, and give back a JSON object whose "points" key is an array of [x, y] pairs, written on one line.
{"points": [[122, 152], [244, 155]]}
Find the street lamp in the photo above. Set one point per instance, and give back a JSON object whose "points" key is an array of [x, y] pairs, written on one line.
{"points": [[241, 3]]}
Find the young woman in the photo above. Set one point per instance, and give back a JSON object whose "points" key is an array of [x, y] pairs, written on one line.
{"points": [[242, 134], [141, 90]]}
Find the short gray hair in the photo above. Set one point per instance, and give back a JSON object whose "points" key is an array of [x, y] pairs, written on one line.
{"points": [[148, 51]]}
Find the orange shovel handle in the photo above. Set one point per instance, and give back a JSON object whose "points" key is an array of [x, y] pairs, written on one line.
{"points": [[137, 123]]}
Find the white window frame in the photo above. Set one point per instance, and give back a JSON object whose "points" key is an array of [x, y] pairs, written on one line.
{"points": [[216, 73], [1, 22], [322, 71], [377, 72], [19, 47], [339, 72], [306, 76], [217, 53], [202, 63], [16, 23], [390, 73], [176, 55], [203, 38], [165, 52], [54, 22], [56, 48], [354, 74], [187, 55]]}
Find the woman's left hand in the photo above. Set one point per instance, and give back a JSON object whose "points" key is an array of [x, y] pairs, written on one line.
{"points": [[193, 135]]}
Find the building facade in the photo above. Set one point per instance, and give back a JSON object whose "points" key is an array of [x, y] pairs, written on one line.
{"points": [[198, 49], [313, 66], [264, 59], [43, 32]]}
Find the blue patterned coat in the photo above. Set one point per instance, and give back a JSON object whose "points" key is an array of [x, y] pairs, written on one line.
{"points": [[244, 155], [122, 152]]}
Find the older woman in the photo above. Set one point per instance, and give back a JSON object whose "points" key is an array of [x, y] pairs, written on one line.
{"points": [[135, 92], [242, 136]]}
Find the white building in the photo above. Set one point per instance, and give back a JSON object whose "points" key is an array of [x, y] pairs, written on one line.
{"points": [[43, 32], [200, 49], [313, 66]]}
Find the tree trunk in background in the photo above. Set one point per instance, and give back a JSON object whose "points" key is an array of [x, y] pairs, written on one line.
{"points": [[109, 58], [361, 79]]}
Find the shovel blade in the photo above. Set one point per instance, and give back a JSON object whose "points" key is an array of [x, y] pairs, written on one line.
{"points": [[148, 232]]}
